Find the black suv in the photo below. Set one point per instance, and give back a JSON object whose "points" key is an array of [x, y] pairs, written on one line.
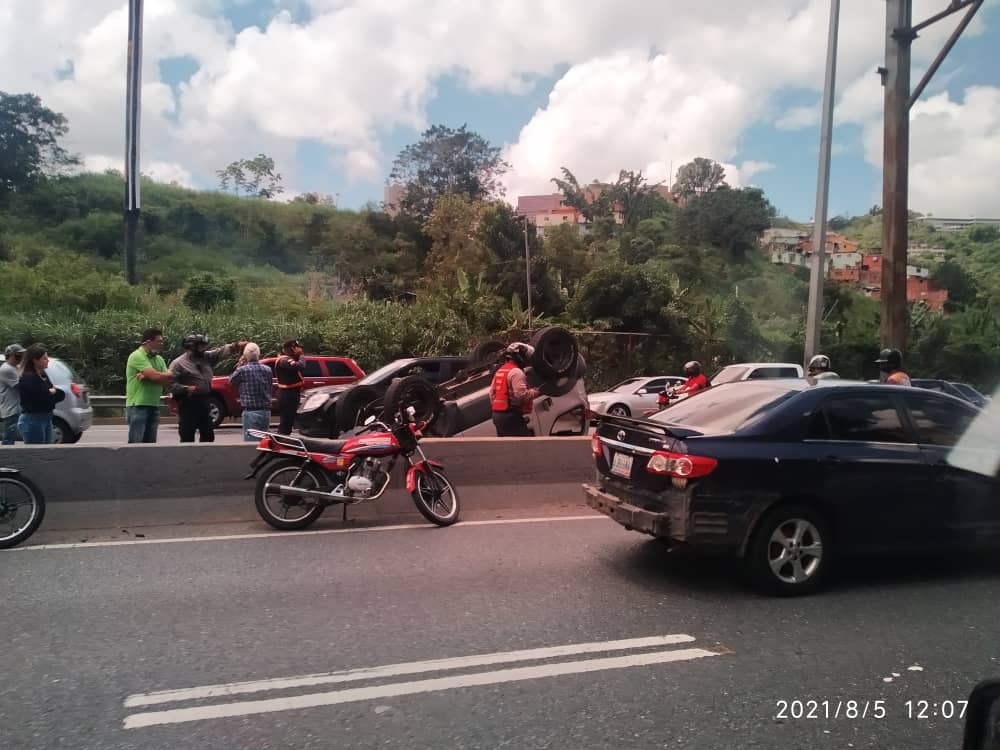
{"points": [[326, 412]]}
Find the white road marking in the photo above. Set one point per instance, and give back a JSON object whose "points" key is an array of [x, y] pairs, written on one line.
{"points": [[283, 534], [396, 670], [351, 695]]}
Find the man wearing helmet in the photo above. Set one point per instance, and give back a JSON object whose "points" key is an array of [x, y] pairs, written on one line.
{"points": [[821, 367], [510, 396], [193, 374], [890, 362]]}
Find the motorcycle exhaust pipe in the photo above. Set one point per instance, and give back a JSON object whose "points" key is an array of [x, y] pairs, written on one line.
{"points": [[288, 491]]}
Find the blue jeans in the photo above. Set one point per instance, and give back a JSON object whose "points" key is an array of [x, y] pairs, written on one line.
{"points": [[255, 419], [143, 422], [8, 429], [36, 429]]}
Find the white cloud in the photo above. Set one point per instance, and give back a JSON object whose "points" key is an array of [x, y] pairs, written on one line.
{"points": [[954, 153], [646, 83]]}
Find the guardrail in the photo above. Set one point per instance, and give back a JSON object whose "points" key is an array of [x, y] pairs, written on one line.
{"points": [[108, 402]]}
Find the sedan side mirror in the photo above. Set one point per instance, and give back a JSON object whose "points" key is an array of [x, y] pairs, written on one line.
{"points": [[982, 718]]}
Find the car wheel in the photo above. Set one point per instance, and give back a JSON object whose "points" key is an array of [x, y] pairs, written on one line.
{"points": [[791, 552], [619, 410], [62, 434], [556, 351], [486, 352], [563, 385], [351, 405], [217, 410]]}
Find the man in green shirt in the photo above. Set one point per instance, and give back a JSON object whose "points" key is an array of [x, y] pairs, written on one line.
{"points": [[145, 375]]}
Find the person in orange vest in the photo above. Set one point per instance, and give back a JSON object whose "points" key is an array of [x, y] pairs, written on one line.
{"points": [[890, 362], [510, 396]]}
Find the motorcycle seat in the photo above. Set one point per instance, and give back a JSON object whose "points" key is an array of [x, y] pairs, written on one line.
{"points": [[319, 445]]}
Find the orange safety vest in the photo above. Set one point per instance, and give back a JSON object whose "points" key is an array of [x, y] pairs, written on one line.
{"points": [[898, 378], [500, 391]]}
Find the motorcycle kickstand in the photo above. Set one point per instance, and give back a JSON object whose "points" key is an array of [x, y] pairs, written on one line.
{"points": [[343, 518]]}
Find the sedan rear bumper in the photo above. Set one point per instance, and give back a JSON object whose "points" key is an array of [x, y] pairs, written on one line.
{"points": [[630, 516]]}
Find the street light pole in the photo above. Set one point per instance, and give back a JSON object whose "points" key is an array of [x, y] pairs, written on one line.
{"points": [[814, 315], [527, 268], [133, 99]]}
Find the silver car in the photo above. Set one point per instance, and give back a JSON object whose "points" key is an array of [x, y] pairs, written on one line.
{"points": [[74, 414]]}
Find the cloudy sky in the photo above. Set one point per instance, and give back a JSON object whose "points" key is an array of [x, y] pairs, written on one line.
{"points": [[332, 89]]}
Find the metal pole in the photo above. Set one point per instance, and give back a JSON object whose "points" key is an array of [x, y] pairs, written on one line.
{"points": [[895, 172], [814, 316], [959, 30], [527, 268], [133, 108]]}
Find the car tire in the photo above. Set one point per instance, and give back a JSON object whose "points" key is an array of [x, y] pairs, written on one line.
{"points": [[808, 563], [619, 410], [563, 385], [217, 408], [415, 391], [485, 353], [351, 405], [62, 434], [556, 352]]}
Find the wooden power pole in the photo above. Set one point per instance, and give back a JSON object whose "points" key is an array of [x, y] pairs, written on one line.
{"points": [[899, 35]]}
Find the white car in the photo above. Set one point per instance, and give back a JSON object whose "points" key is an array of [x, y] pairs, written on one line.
{"points": [[756, 371], [632, 397]]}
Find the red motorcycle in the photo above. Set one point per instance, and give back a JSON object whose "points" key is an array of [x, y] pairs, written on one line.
{"points": [[300, 477]]}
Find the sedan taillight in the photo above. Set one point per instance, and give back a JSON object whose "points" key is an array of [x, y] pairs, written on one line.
{"points": [[595, 445], [680, 465], [77, 390]]}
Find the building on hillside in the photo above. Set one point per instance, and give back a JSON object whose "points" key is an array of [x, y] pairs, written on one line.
{"points": [[550, 210], [391, 197], [943, 224], [835, 243]]}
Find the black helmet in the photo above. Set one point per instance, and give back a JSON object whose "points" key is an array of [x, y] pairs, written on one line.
{"points": [[889, 360], [193, 339], [820, 362], [520, 353], [692, 368]]}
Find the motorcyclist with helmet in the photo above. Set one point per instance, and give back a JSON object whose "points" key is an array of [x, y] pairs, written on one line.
{"points": [[510, 396], [192, 389], [890, 362], [696, 381], [820, 367]]}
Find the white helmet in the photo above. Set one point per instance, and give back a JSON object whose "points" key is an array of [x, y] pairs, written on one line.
{"points": [[520, 353]]}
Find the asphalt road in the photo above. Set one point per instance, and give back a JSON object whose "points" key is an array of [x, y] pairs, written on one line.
{"points": [[95, 634]]}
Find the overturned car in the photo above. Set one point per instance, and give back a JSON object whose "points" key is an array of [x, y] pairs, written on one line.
{"points": [[460, 405]]}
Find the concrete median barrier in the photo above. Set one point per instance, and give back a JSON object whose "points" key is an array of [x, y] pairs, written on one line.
{"points": [[143, 485]]}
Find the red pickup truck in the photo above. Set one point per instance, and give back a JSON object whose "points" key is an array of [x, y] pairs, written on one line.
{"points": [[320, 371]]}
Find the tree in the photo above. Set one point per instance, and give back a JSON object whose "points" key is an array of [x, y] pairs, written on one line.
{"points": [[447, 161], [960, 285], [699, 177], [729, 219], [593, 202], [316, 199], [207, 291], [29, 142], [452, 229], [254, 177], [984, 233]]}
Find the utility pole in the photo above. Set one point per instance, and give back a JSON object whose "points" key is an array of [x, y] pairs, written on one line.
{"points": [[900, 32], [133, 111], [814, 315], [527, 268]]}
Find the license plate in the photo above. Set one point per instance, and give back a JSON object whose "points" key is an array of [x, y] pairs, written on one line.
{"points": [[621, 465]]}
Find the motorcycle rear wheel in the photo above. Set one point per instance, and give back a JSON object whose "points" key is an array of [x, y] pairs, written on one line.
{"points": [[436, 498], [274, 508]]}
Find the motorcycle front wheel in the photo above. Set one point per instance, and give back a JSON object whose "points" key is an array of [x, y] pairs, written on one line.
{"points": [[22, 508], [435, 498], [287, 512]]}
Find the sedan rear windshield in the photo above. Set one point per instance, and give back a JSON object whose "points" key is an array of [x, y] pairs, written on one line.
{"points": [[729, 374], [724, 409]]}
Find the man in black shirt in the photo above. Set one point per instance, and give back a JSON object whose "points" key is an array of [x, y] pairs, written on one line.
{"points": [[288, 370]]}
